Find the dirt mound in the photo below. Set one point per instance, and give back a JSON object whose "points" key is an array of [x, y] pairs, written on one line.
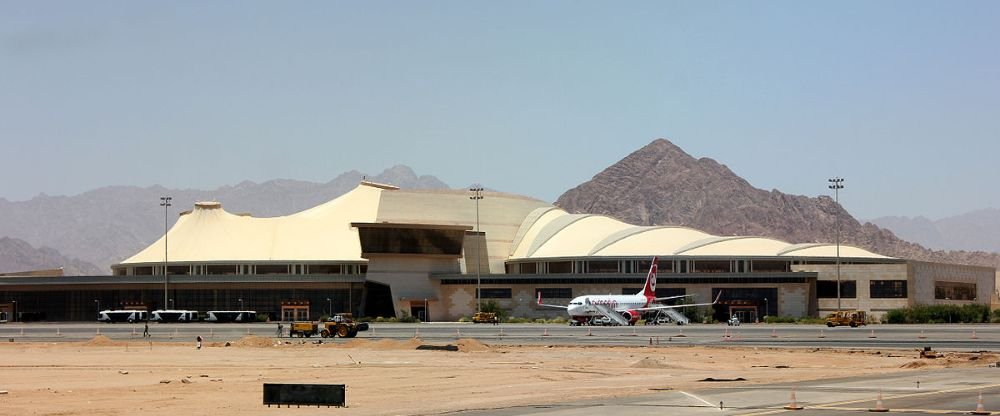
{"points": [[252, 341], [914, 364], [102, 341], [472, 345], [649, 362]]}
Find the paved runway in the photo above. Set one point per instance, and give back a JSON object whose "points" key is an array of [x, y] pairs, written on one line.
{"points": [[951, 391], [939, 337]]}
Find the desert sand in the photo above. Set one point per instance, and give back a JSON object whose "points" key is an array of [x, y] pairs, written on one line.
{"points": [[388, 377]]}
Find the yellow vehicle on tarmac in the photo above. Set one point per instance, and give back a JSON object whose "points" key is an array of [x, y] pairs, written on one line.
{"points": [[485, 318], [324, 329], [853, 319]]}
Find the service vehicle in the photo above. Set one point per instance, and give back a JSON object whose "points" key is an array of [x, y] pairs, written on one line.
{"points": [[130, 316], [733, 321], [853, 319], [327, 329], [174, 316], [485, 318]]}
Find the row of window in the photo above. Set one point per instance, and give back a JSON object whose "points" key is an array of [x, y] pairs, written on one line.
{"points": [[641, 266], [877, 289], [954, 291], [567, 293], [242, 269]]}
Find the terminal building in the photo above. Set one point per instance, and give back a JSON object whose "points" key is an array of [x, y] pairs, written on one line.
{"points": [[383, 251]]}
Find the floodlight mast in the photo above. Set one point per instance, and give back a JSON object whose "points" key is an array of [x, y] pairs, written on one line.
{"points": [[837, 184], [477, 195]]}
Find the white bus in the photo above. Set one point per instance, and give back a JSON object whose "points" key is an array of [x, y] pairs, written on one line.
{"points": [[174, 316], [231, 316], [122, 316]]}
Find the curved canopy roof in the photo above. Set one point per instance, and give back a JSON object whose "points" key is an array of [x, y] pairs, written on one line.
{"points": [[555, 233]]}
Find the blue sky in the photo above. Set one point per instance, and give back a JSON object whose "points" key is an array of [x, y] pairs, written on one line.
{"points": [[900, 98]]}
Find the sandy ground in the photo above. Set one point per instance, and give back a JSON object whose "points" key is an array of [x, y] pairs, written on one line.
{"points": [[386, 377]]}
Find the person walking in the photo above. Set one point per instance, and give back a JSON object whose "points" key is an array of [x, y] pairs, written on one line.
{"points": [[281, 331], [145, 330], [199, 341]]}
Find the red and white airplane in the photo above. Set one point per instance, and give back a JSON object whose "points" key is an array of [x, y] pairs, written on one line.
{"points": [[623, 309]]}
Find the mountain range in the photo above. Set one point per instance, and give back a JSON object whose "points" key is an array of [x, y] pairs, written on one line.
{"points": [[104, 226], [658, 184], [977, 230]]}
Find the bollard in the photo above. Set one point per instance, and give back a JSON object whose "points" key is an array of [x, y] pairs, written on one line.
{"points": [[22, 332], [58, 332], [980, 410], [974, 334], [878, 404], [872, 334], [589, 333], [546, 333], [98, 331], [458, 333], [774, 334], [794, 405], [921, 336], [416, 334], [822, 334]]}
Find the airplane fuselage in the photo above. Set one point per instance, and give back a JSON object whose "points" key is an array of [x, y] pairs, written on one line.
{"points": [[579, 309]]}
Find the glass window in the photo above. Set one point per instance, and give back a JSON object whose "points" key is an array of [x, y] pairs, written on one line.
{"points": [[712, 266], [827, 289], [529, 268], [954, 291], [494, 293], [603, 267], [560, 267], [887, 289], [555, 292]]}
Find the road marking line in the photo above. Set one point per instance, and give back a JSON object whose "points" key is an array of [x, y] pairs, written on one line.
{"points": [[698, 399]]}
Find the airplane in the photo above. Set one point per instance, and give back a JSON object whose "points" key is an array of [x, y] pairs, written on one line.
{"points": [[623, 309]]}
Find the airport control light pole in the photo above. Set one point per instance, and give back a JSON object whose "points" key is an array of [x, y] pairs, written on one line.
{"points": [[98, 302], [477, 194], [330, 304], [241, 303], [837, 184], [165, 203]]}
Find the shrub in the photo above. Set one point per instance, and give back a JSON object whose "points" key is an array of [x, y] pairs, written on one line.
{"points": [[923, 314], [996, 317], [492, 306]]}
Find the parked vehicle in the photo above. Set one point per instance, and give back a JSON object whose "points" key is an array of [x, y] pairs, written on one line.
{"points": [[485, 318], [327, 329], [853, 319], [733, 321], [174, 316], [130, 316], [231, 316]]}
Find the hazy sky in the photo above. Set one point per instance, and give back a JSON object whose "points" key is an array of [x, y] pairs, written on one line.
{"points": [[900, 98]]}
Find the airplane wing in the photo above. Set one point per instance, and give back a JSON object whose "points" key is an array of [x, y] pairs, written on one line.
{"points": [[610, 313], [550, 306], [665, 307], [671, 297]]}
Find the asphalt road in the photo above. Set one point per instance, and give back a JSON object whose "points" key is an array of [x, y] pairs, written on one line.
{"points": [[939, 337]]}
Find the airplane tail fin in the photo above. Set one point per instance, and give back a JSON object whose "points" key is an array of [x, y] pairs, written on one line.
{"points": [[649, 290]]}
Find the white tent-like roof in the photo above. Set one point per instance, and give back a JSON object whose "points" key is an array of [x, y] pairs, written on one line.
{"points": [[210, 234], [556, 233]]}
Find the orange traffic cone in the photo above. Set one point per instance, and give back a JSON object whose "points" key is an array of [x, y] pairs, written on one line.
{"points": [[974, 334], [589, 332], [872, 334], [793, 405], [878, 404], [546, 333], [921, 336], [680, 333], [979, 406]]}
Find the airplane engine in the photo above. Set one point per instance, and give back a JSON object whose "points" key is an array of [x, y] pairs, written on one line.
{"points": [[631, 316]]}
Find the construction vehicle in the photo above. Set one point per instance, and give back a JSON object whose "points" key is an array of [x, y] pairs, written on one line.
{"points": [[324, 329], [485, 318], [853, 319]]}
